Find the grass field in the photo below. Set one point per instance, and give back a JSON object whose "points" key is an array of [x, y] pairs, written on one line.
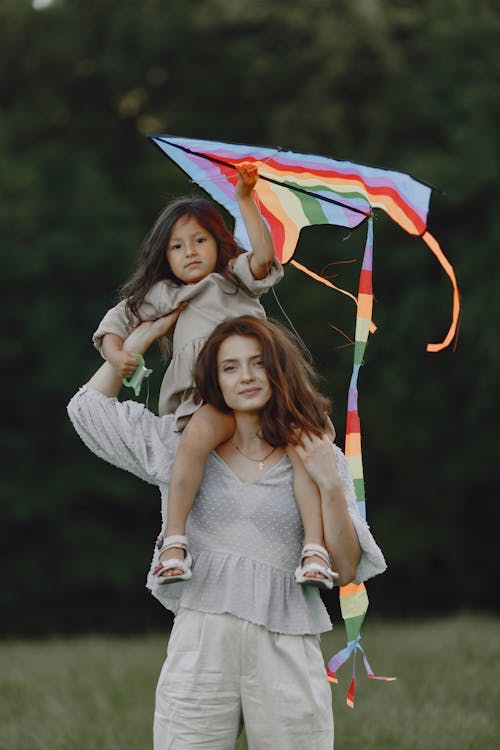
{"points": [[96, 692]]}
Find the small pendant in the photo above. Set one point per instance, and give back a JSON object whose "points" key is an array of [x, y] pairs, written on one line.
{"points": [[261, 465]]}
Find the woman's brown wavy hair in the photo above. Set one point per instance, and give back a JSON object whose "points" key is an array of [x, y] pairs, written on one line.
{"points": [[295, 403], [153, 266]]}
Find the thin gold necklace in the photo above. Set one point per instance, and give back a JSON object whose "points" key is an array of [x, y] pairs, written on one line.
{"points": [[259, 461]]}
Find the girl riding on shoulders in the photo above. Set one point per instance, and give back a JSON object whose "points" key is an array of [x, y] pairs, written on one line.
{"points": [[190, 260]]}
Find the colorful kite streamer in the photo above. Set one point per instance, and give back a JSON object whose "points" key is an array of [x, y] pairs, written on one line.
{"points": [[298, 190], [353, 598]]}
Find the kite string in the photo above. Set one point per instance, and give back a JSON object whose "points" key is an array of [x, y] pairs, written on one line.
{"points": [[300, 267], [147, 394], [297, 335], [316, 277]]}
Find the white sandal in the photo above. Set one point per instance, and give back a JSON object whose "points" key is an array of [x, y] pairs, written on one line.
{"points": [[330, 577], [167, 542]]}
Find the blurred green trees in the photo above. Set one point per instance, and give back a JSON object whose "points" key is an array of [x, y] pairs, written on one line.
{"points": [[396, 84]]}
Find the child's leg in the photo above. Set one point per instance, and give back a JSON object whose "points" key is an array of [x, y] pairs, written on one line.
{"points": [[330, 429], [309, 504], [206, 429]]}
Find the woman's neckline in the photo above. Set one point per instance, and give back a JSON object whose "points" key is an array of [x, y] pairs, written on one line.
{"points": [[262, 474]]}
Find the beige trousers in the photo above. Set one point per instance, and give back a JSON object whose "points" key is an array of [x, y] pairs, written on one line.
{"points": [[220, 669]]}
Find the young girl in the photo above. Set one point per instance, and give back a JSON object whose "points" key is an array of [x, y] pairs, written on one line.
{"points": [[191, 259]]}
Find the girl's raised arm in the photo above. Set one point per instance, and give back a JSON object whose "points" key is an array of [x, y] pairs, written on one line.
{"points": [[260, 238]]}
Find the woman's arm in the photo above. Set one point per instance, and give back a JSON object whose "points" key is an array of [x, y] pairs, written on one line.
{"points": [[125, 433], [106, 380], [260, 238], [340, 536], [116, 326], [123, 362]]}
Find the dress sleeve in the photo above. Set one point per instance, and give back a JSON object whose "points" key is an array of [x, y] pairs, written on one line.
{"points": [[256, 287], [125, 434], [372, 560], [115, 321], [159, 300]]}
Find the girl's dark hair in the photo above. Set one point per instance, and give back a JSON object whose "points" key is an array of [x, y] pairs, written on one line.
{"points": [[153, 265], [295, 403]]}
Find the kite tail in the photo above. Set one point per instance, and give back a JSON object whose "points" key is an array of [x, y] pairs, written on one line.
{"points": [[434, 246], [353, 597], [328, 283]]}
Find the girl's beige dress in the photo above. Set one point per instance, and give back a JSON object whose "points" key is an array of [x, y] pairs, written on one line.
{"points": [[210, 301]]}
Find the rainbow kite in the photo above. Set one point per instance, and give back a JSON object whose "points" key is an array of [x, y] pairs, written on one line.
{"points": [[298, 190]]}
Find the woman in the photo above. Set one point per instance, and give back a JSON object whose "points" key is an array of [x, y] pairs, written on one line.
{"points": [[245, 640]]}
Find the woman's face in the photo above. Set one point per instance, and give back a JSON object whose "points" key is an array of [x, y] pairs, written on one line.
{"points": [[241, 374]]}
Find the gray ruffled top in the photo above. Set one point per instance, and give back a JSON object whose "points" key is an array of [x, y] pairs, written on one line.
{"points": [[210, 301], [245, 537]]}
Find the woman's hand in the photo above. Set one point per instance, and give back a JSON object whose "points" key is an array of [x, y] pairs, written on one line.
{"points": [[341, 540], [317, 456], [149, 331], [248, 174]]}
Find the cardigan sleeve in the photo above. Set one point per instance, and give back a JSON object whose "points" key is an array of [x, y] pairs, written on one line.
{"points": [[372, 560], [125, 434]]}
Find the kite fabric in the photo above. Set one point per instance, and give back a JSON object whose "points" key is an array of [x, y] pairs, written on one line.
{"points": [[298, 190]]}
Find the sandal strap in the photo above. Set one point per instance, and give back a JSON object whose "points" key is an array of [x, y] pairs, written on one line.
{"points": [[172, 565], [174, 540], [316, 568], [313, 550]]}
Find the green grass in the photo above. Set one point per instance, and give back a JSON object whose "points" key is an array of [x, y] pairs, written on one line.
{"points": [[96, 693]]}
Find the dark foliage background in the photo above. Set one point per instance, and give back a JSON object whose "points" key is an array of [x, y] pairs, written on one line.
{"points": [[409, 86]]}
